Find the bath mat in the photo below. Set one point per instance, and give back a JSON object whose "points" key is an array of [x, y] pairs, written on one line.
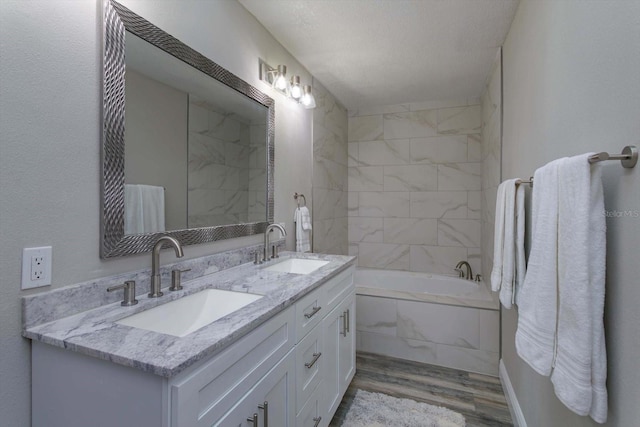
{"points": [[380, 410]]}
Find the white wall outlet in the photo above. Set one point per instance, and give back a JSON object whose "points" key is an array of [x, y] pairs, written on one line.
{"points": [[36, 267]]}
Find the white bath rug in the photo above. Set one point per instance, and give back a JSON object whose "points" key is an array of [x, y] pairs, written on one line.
{"points": [[380, 410]]}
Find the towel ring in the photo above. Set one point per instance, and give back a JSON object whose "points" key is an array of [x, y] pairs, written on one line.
{"points": [[298, 196]]}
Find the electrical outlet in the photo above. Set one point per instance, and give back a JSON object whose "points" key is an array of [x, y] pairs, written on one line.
{"points": [[36, 267]]}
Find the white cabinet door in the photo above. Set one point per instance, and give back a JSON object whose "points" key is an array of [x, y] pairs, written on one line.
{"points": [[347, 350], [272, 399], [339, 345]]}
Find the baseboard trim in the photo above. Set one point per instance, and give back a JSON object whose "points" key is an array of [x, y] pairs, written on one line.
{"points": [[512, 400]]}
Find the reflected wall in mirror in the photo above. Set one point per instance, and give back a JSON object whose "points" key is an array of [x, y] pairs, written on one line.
{"points": [[191, 152]]}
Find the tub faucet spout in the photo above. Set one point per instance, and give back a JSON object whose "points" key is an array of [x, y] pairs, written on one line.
{"points": [[469, 275]]}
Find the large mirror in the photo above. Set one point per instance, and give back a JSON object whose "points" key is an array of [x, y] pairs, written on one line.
{"points": [[187, 146]]}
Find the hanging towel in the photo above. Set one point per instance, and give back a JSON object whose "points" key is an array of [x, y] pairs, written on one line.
{"points": [[305, 217], [303, 243], [579, 373], [143, 209], [508, 260], [537, 297]]}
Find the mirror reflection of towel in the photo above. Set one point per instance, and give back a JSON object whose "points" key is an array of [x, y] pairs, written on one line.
{"points": [[143, 209]]}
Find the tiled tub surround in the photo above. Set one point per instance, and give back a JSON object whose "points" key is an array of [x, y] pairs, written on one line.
{"points": [[411, 316], [415, 176], [329, 214], [94, 332]]}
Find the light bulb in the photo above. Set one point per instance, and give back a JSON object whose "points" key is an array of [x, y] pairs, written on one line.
{"points": [[280, 80], [296, 90], [308, 100]]}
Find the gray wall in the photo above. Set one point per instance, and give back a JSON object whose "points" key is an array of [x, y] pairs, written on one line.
{"points": [[571, 85], [156, 148], [50, 85]]}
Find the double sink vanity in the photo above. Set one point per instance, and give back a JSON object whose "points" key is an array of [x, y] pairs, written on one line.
{"points": [[251, 345]]}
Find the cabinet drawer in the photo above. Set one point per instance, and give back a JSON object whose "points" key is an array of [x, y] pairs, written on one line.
{"points": [[338, 288], [202, 394], [310, 310], [309, 363], [311, 414]]}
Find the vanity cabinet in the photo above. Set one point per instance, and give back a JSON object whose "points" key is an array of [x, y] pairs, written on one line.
{"points": [[290, 371]]}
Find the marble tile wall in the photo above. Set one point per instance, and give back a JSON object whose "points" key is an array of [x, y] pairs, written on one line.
{"points": [[329, 214], [415, 180], [491, 160], [227, 168], [457, 337]]}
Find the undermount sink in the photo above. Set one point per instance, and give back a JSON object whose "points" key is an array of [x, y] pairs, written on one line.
{"points": [[188, 314], [297, 265]]}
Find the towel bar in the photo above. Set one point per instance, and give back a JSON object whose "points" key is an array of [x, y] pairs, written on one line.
{"points": [[628, 158]]}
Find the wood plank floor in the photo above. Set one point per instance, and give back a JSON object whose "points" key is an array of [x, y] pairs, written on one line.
{"points": [[478, 397]]}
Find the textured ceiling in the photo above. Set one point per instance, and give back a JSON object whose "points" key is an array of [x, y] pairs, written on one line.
{"points": [[381, 52]]}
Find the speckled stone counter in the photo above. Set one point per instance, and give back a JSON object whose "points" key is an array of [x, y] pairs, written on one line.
{"points": [[95, 333]]}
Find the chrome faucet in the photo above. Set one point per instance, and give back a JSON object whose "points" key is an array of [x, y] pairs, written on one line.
{"points": [[461, 273], [155, 262], [266, 238]]}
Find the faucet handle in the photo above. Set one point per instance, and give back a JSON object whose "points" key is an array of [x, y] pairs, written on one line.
{"points": [[478, 277], [129, 292], [176, 279]]}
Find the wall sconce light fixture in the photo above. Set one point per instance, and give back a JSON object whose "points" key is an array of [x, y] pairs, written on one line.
{"points": [[292, 89]]}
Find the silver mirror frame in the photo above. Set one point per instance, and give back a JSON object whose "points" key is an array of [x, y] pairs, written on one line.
{"points": [[113, 242]]}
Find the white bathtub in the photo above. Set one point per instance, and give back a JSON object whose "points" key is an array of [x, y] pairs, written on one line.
{"points": [[428, 318], [424, 287]]}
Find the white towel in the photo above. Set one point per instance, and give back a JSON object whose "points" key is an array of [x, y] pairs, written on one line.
{"points": [[303, 243], [305, 217], [508, 260], [143, 209], [521, 263], [537, 297], [579, 374]]}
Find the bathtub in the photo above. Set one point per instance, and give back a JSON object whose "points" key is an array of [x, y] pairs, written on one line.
{"points": [[428, 318]]}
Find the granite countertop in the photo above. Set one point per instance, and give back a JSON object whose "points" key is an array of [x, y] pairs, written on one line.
{"points": [[95, 333]]}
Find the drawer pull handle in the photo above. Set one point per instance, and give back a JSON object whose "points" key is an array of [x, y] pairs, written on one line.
{"points": [[344, 324], [253, 420], [348, 320], [265, 408], [313, 312], [316, 356], [317, 420]]}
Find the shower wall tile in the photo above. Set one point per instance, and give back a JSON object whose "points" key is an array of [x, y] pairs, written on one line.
{"points": [[460, 120], [415, 231], [436, 259], [410, 178], [331, 158], [366, 178], [459, 176], [388, 152], [491, 162], [377, 315], [439, 204], [474, 204], [431, 156], [365, 128], [383, 204], [384, 255], [366, 229], [459, 232], [414, 124], [439, 149]]}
